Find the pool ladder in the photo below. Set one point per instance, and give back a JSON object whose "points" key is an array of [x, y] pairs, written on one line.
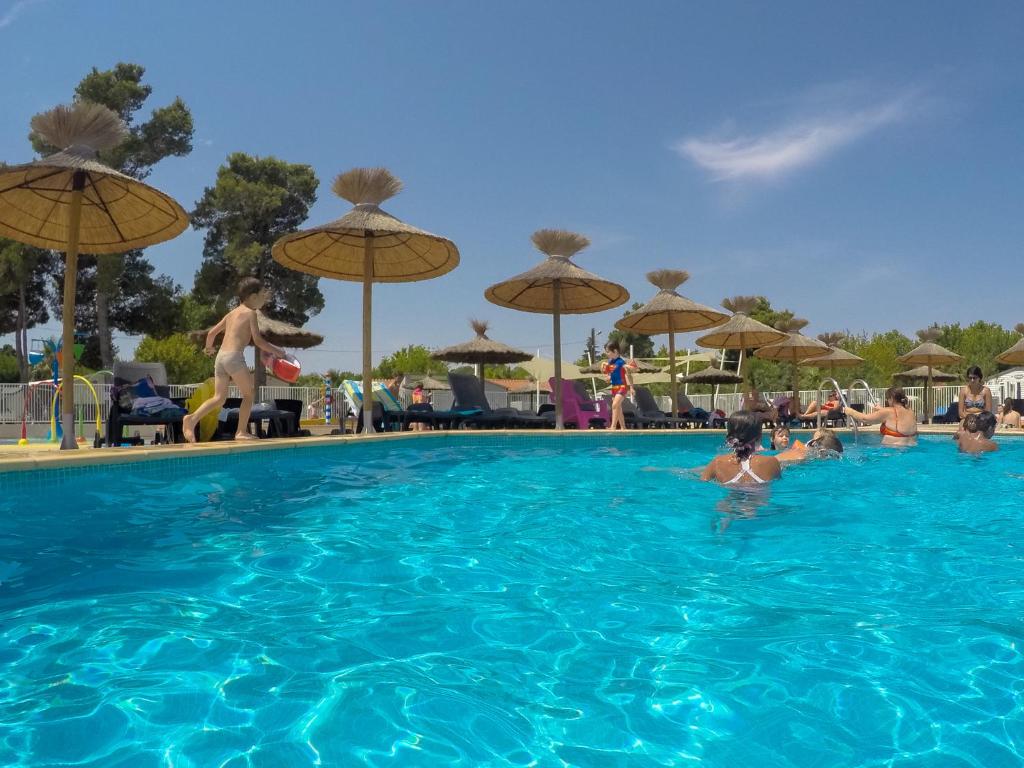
{"points": [[834, 386]]}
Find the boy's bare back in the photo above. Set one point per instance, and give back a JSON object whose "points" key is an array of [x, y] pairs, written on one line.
{"points": [[238, 329]]}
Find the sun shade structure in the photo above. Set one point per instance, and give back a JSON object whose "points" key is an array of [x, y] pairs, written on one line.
{"points": [[668, 312], [71, 202], [555, 287], [276, 332], [929, 354], [922, 372], [793, 349], [836, 358], [1015, 354], [481, 351], [426, 381], [367, 245], [740, 331]]}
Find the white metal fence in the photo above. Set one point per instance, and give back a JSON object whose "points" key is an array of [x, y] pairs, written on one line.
{"points": [[36, 401]]}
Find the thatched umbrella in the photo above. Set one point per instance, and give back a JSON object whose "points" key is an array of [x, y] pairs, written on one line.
{"points": [[276, 332], [367, 245], [426, 381], [712, 376], [793, 349], [70, 202], [740, 331], [670, 313], [556, 286], [481, 351], [1015, 354], [929, 354], [922, 372], [835, 358]]}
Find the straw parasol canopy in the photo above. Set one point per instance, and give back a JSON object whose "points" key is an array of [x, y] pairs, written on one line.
{"points": [[668, 312], [276, 332], [1015, 354], [556, 286], [929, 354], [367, 245], [481, 351], [740, 331], [70, 202], [425, 380], [836, 358], [711, 376], [793, 349], [922, 372]]}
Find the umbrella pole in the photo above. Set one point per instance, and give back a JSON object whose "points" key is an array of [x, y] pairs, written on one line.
{"points": [[556, 303], [672, 367], [367, 335], [928, 398], [67, 411]]}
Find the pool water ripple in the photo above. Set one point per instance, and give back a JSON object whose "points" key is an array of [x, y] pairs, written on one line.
{"points": [[543, 604]]}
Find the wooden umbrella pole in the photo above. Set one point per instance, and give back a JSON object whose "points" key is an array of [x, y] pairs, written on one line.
{"points": [[67, 411], [672, 367], [556, 305], [367, 335]]}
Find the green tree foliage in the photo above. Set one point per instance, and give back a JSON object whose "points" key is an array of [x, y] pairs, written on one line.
{"points": [[255, 201], [9, 368], [121, 291], [978, 343], [26, 288], [643, 346], [186, 363], [414, 358]]}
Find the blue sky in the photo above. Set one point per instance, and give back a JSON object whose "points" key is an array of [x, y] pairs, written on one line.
{"points": [[859, 164]]}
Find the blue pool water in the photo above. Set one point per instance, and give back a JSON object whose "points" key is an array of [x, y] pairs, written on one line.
{"points": [[494, 602]]}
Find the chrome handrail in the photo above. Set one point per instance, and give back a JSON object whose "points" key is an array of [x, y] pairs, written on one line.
{"points": [[842, 398]]}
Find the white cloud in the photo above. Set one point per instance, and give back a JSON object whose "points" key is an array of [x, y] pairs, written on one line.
{"points": [[796, 145], [14, 11]]}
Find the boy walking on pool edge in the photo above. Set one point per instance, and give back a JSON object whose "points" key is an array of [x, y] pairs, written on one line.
{"points": [[240, 329]]}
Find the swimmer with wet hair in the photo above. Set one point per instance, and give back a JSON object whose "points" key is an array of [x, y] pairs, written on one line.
{"points": [[744, 466], [975, 435]]}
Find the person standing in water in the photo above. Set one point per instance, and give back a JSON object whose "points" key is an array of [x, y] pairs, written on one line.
{"points": [[897, 423], [240, 329], [744, 466]]}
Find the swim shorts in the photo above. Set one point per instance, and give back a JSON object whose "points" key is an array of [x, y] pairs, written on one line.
{"points": [[229, 364]]}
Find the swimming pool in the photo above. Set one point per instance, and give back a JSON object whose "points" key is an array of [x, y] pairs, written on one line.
{"points": [[514, 601]]}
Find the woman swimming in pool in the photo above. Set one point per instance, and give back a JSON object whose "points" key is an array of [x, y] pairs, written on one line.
{"points": [[975, 435], [743, 467], [898, 424], [975, 397]]}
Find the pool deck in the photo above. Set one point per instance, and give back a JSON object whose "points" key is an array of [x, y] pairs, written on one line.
{"points": [[14, 458]]}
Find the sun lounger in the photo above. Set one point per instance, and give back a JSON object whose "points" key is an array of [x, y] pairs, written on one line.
{"points": [[636, 420], [125, 377], [648, 408], [578, 409], [280, 422], [389, 415], [470, 399]]}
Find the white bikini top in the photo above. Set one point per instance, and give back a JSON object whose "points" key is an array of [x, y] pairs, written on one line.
{"points": [[744, 470]]}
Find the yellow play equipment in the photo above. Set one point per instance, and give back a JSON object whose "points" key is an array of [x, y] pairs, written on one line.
{"points": [[53, 411], [206, 428]]}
